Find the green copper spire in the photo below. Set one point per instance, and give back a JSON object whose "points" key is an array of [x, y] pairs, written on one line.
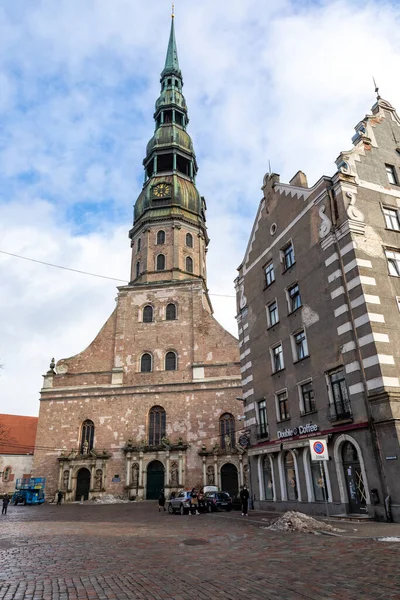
{"points": [[171, 60]]}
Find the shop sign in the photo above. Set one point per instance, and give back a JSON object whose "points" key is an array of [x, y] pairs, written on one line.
{"points": [[319, 450], [301, 430]]}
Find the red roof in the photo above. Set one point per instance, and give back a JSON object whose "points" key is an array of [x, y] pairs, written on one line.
{"points": [[17, 434]]}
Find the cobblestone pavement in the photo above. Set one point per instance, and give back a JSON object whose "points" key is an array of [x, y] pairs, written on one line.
{"points": [[123, 551]]}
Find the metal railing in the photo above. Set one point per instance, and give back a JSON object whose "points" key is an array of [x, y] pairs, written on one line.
{"points": [[339, 411]]}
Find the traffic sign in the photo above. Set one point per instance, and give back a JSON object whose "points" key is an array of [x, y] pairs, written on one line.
{"points": [[319, 450]]}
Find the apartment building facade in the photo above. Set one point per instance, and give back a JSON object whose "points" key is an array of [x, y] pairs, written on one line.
{"points": [[318, 299]]}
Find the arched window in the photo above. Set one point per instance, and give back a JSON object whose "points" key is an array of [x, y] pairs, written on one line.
{"points": [[137, 269], [161, 262], [268, 481], [146, 363], [161, 237], [7, 474], [148, 314], [189, 240], [170, 361], [139, 244], [227, 430], [189, 264], [157, 421], [87, 436], [290, 476], [170, 313]]}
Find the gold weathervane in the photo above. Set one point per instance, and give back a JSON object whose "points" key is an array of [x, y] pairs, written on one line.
{"points": [[173, 10]]}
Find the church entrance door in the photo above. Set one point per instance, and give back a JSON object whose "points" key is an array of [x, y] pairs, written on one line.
{"points": [[229, 479], [82, 484], [155, 480]]}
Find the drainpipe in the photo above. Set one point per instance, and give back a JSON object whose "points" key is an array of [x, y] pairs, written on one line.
{"points": [[375, 440]]}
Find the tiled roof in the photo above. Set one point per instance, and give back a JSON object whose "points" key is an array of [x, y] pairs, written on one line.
{"points": [[17, 434]]}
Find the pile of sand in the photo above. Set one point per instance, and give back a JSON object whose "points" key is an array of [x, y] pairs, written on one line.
{"points": [[297, 521]]}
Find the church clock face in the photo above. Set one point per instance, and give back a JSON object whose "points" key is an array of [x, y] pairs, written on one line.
{"points": [[161, 190]]}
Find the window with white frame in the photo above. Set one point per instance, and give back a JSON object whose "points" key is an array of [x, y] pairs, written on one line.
{"points": [[277, 358], [269, 274], [391, 173], [299, 343], [272, 313], [307, 398], [393, 259], [294, 298], [287, 254], [282, 405], [391, 218]]}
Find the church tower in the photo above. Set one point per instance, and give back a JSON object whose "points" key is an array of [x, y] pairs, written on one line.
{"points": [[153, 401], [169, 236]]}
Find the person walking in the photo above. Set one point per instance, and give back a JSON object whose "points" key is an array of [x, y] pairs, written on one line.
{"points": [[244, 500], [59, 497], [161, 501], [194, 502], [6, 501]]}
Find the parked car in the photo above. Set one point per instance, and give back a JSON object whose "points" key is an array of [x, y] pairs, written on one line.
{"points": [[181, 503], [217, 501]]}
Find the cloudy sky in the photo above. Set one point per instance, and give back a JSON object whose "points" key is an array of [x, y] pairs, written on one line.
{"points": [[275, 80]]}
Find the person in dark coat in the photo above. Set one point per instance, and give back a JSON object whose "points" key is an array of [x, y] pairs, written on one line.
{"points": [[6, 501], [244, 499], [161, 501], [59, 497]]}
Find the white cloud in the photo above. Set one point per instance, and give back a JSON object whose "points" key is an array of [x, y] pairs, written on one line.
{"points": [[264, 80]]}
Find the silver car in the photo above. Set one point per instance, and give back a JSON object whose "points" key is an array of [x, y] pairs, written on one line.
{"points": [[180, 504]]}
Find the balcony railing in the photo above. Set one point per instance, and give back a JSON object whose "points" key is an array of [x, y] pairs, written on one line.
{"points": [[262, 432], [338, 411]]}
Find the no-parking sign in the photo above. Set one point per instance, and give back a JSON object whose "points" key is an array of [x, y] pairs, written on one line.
{"points": [[319, 450]]}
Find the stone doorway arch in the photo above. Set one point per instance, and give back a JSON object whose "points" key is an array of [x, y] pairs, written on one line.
{"points": [[229, 479], [82, 484], [155, 479]]}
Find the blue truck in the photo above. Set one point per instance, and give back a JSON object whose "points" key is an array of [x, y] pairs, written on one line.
{"points": [[29, 490]]}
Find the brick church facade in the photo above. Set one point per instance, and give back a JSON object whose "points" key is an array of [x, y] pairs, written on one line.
{"points": [[153, 401]]}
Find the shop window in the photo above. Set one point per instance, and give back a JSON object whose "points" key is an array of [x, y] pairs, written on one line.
{"points": [[290, 476], [87, 436], [157, 425], [268, 480], [318, 481], [146, 363], [148, 314], [227, 430]]}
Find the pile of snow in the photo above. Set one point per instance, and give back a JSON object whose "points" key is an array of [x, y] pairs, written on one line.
{"points": [[110, 499], [297, 521], [388, 539]]}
